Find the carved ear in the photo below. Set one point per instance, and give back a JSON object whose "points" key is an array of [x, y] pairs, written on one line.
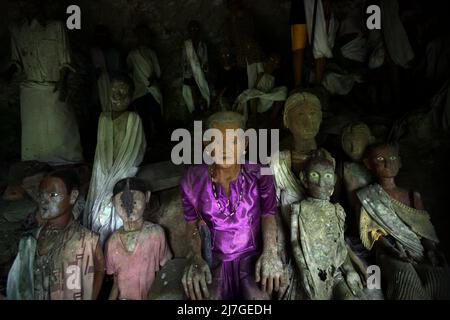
{"points": [[73, 196], [366, 162], [303, 179], [147, 196]]}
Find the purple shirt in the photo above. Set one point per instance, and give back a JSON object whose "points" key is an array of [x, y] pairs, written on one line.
{"points": [[231, 236]]}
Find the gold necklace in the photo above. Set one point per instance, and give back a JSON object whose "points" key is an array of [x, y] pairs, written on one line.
{"points": [[214, 190]]}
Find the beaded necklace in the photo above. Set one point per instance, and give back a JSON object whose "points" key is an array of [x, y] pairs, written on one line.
{"points": [[214, 190]]}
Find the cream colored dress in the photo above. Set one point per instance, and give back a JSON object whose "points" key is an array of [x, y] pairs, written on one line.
{"points": [[49, 127]]}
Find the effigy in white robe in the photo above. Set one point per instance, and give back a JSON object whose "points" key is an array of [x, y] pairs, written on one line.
{"points": [[253, 70], [49, 127], [265, 92], [324, 36], [120, 150], [194, 65], [143, 64]]}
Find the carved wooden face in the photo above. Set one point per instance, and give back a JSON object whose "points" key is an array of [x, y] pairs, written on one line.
{"points": [[354, 143], [384, 161], [227, 151], [120, 96], [54, 201], [319, 179], [130, 205], [194, 29], [272, 63], [227, 58], [304, 122]]}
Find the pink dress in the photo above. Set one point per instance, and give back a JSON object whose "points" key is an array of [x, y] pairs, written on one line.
{"points": [[236, 240], [136, 270]]}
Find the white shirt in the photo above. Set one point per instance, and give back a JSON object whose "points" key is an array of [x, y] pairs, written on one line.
{"points": [[143, 64], [202, 54], [41, 51]]}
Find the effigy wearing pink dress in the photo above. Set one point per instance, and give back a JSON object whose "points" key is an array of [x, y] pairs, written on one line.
{"points": [[236, 239], [136, 270]]}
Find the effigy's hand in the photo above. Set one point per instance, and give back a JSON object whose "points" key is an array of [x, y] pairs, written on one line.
{"points": [[61, 88], [269, 271], [57, 85], [196, 278]]}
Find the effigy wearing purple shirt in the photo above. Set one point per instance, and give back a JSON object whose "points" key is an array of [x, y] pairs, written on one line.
{"points": [[236, 239]]}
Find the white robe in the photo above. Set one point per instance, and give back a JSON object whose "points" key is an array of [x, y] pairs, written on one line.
{"points": [[144, 64], [49, 127], [196, 64], [252, 73], [323, 37], [99, 214], [265, 92]]}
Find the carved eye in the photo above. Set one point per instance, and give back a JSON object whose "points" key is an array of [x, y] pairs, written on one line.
{"points": [[392, 158], [54, 194], [328, 175], [314, 175], [380, 159]]}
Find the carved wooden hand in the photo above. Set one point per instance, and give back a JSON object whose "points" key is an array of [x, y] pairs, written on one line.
{"points": [[196, 277]]}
